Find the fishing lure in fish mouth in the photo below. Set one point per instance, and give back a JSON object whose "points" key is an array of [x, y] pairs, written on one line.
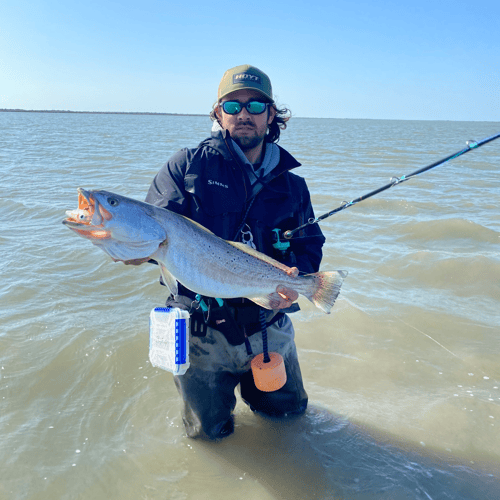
{"points": [[83, 214], [87, 220], [393, 182]]}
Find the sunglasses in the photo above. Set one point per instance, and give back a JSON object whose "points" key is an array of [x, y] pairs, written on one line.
{"points": [[235, 107]]}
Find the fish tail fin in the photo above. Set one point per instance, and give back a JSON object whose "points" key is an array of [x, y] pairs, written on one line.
{"points": [[323, 288]]}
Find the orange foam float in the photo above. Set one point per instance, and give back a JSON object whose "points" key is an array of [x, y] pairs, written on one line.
{"points": [[271, 376]]}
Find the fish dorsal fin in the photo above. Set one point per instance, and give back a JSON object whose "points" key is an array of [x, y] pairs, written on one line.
{"points": [[259, 255], [169, 280], [197, 224]]}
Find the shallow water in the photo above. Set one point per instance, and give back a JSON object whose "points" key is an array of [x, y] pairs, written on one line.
{"points": [[403, 378]]}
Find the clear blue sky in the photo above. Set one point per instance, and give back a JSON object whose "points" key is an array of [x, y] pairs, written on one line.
{"points": [[425, 59]]}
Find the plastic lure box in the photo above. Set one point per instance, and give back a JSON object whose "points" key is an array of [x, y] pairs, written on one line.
{"points": [[169, 339]]}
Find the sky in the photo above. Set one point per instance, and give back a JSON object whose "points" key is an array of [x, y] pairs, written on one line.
{"points": [[418, 60]]}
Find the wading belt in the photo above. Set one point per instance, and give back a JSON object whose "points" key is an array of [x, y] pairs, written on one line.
{"points": [[236, 319]]}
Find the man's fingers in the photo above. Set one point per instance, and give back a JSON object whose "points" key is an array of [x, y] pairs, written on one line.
{"points": [[287, 293], [278, 302], [135, 262]]}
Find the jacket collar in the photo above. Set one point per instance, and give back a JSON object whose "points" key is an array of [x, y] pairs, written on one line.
{"points": [[220, 142]]}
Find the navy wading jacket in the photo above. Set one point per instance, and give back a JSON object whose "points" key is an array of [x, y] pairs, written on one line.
{"points": [[209, 185]]}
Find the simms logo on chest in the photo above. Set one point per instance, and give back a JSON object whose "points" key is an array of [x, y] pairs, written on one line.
{"points": [[246, 77], [217, 183]]}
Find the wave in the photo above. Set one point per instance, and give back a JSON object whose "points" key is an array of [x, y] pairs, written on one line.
{"points": [[448, 229]]}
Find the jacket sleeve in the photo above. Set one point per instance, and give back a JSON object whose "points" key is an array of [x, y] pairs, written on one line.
{"points": [[167, 189], [307, 243]]}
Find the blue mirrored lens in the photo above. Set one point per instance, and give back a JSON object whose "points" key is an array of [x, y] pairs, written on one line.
{"points": [[232, 107], [256, 107], [235, 107]]}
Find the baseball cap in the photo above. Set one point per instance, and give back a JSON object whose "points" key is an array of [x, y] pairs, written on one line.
{"points": [[245, 77]]}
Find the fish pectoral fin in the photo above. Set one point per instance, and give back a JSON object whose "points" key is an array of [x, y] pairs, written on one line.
{"points": [[169, 280], [264, 302]]}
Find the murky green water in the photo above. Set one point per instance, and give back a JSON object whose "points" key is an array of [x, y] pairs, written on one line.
{"points": [[403, 378]]}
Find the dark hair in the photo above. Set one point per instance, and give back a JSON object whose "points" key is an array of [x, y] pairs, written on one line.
{"points": [[278, 124]]}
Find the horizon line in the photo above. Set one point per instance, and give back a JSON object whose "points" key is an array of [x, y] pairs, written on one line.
{"points": [[19, 110], [159, 113]]}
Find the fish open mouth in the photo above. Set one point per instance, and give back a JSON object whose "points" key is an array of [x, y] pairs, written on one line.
{"points": [[87, 219], [85, 211]]}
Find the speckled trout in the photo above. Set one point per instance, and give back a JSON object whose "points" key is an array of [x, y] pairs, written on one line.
{"points": [[190, 254]]}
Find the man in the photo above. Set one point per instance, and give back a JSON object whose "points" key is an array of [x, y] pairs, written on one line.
{"points": [[238, 184]]}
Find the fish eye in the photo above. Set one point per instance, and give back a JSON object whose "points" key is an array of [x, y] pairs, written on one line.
{"points": [[113, 202]]}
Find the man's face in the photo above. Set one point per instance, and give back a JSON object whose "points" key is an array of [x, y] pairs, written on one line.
{"points": [[248, 131]]}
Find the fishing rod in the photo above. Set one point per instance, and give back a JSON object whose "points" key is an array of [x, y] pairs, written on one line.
{"points": [[394, 182]]}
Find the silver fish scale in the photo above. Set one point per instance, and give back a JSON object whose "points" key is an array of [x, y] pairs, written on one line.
{"points": [[218, 269]]}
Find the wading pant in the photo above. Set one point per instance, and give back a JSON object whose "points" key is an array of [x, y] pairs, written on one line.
{"points": [[216, 368]]}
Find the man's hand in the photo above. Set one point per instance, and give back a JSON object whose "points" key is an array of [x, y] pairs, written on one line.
{"points": [[135, 262], [284, 297]]}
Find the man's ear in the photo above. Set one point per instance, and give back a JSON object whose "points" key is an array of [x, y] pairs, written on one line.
{"points": [[272, 114], [218, 114]]}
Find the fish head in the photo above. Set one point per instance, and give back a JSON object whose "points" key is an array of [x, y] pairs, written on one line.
{"points": [[124, 228]]}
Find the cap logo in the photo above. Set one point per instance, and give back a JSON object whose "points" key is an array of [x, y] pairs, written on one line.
{"points": [[246, 77]]}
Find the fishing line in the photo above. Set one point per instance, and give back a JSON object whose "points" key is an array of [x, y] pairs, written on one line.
{"points": [[394, 181], [429, 337], [467, 364]]}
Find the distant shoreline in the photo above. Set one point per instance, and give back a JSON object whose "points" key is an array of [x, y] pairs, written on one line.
{"points": [[95, 112], [148, 113]]}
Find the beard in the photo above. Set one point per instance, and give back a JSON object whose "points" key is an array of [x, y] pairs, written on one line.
{"points": [[246, 143]]}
